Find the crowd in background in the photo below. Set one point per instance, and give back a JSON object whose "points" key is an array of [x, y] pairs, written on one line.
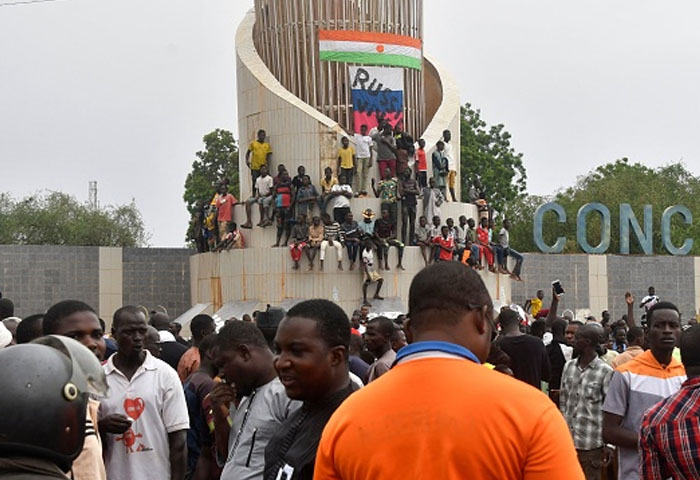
{"points": [[303, 393], [310, 219]]}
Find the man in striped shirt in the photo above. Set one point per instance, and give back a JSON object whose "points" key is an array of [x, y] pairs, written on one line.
{"points": [[332, 235], [584, 384], [669, 438], [641, 383]]}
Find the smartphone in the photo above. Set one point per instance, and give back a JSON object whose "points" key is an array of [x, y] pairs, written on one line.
{"points": [[557, 287]]}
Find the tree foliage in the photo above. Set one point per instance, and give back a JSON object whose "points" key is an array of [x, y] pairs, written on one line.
{"points": [[218, 161], [55, 218], [487, 155], [613, 184]]}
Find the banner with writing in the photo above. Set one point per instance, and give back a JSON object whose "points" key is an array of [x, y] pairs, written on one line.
{"points": [[377, 92]]}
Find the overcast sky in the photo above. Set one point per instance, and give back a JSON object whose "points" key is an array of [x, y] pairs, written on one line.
{"points": [[122, 91]]}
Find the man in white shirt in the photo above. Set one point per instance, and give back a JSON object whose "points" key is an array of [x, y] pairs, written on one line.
{"points": [[363, 149], [449, 154], [262, 196], [371, 275], [339, 199], [148, 394]]}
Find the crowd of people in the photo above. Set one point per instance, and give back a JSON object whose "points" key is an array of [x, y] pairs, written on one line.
{"points": [[310, 219], [456, 388]]}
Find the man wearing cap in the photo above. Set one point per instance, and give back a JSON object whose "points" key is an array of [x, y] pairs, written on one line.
{"points": [[171, 350], [367, 225]]}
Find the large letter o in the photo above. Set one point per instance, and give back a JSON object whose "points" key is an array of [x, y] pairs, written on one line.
{"points": [[581, 228]]}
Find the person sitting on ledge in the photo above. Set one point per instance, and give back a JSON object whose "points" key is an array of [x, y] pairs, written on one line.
{"points": [[262, 195], [300, 241], [333, 236], [316, 232], [351, 231], [233, 239], [445, 244]]}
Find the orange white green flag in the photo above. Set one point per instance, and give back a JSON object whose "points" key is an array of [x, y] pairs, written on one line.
{"points": [[370, 48]]}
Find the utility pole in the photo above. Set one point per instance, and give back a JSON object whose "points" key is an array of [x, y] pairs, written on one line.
{"points": [[92, 195]]}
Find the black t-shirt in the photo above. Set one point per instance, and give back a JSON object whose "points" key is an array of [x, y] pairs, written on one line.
{"points": [[170, 353], [294, 444], [528, 357], [556, 363]]}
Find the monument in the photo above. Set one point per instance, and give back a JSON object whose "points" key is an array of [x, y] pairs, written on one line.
{"points": [[308, 73]]}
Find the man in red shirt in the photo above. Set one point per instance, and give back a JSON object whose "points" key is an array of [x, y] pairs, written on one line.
{"points": [[421, 165], [224, 209], [446, 244]]}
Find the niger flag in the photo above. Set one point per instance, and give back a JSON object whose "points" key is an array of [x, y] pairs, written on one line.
{"points": [[370, 48]]}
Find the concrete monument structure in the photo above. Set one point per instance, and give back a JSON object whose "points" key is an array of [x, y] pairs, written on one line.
{"points": [[305, 104]]}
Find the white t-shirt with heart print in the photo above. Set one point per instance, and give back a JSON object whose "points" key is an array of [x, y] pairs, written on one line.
{"points": [[154, 399]]}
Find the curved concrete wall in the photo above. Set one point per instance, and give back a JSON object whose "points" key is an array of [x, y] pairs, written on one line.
{"points": [[301, 135]]}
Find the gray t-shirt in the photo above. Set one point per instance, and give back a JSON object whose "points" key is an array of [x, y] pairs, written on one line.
{"points": [[384, 152], [254, 422]]}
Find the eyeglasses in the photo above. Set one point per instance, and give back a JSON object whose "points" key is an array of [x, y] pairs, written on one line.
{"points": [[489, 318]]}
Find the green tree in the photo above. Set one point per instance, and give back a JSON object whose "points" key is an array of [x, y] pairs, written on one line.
{"points": [[612, 184], [487, 155], [218, 161], [56, 218]]}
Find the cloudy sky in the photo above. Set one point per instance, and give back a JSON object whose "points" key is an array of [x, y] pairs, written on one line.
{"points": [[122, 91]]}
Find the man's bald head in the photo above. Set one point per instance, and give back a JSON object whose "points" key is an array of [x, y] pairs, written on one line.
{"points": [[160, 321]]}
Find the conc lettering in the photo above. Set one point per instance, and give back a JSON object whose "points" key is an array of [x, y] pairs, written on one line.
{"points": [[643, 232]]}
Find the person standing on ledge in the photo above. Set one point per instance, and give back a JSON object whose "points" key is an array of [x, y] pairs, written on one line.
{"points": [[260, 151], [451, 164]]}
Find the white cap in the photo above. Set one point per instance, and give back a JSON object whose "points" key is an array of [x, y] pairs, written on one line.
{"points": [[166, 336]]}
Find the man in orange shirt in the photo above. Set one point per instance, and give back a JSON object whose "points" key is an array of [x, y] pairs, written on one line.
{"points": [[467, 423], [201, 326]]}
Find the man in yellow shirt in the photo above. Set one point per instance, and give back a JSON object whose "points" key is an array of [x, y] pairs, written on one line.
{"points": [[535, 304], [346, 160], [260, 151]]}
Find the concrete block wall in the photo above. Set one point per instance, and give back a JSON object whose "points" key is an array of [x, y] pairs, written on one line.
{"points": [[598, 282], [35, 277], [672, 277], [157, 276]]}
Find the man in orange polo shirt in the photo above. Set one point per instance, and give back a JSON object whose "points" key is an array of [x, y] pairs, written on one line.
{"points": [[438, 413]]}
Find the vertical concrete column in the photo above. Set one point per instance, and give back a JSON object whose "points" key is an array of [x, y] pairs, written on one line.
{"points": [[597, 284], [110, 282]]}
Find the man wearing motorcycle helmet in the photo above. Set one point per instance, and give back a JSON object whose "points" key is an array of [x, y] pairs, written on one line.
{"points": [[42, 434]]}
